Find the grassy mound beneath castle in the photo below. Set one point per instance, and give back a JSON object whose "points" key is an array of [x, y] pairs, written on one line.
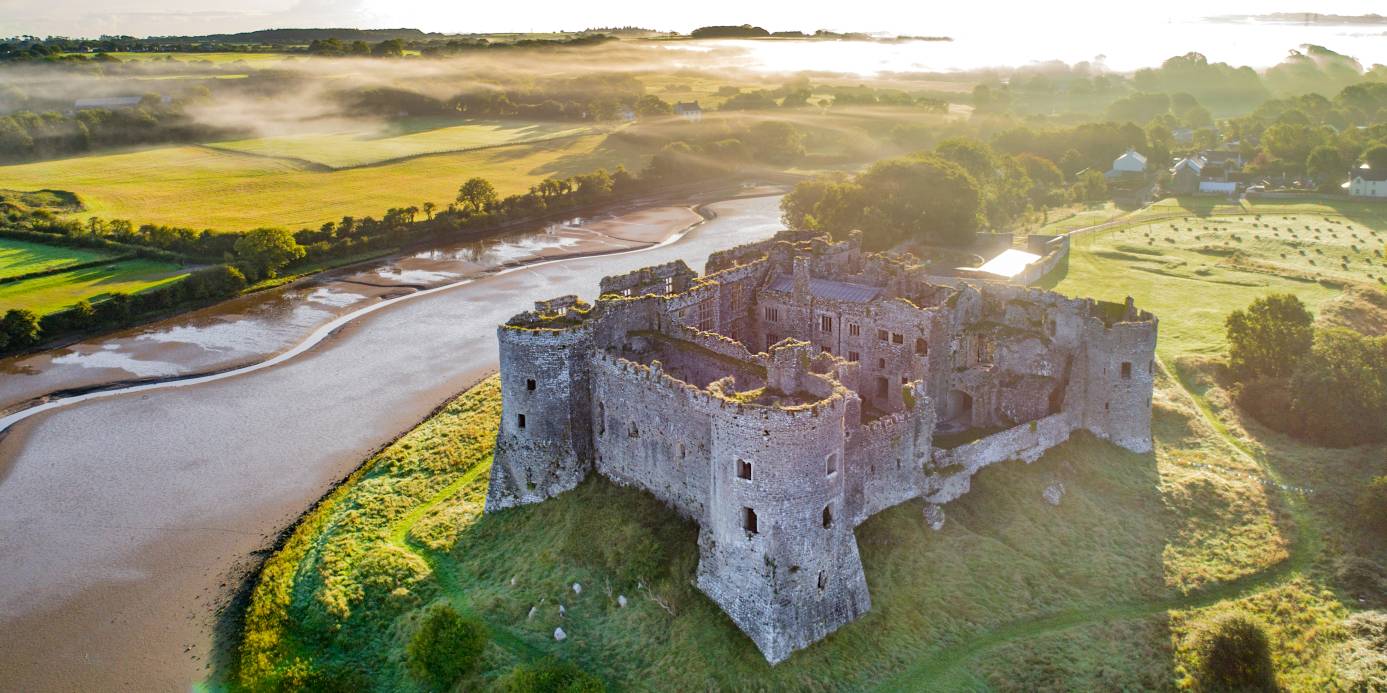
{"points": [[1010, 579]]}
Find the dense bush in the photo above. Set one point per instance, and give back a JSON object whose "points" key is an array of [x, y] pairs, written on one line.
{"points": [[1234, 655], [550, 675], [446, 647]]}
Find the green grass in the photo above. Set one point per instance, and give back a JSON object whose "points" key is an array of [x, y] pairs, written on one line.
{"points": [[55, 292], [20, 257], [202, 187], [365, 144], [1191, 271]]}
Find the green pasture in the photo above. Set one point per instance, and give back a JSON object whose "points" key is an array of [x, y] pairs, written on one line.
{"points": [[55, 292], [21, 257]]}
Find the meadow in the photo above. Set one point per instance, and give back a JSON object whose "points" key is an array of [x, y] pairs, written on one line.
{"points": [[20, 257], [364, 143], [54, 292], [203, 187], [1109, 590]]}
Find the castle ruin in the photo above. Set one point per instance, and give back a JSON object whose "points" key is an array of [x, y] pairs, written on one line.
{"points": [[794, 390]]}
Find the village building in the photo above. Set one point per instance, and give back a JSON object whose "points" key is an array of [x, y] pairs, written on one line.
{"points": [[1365, 182], [689, 110], [1130, 163], [794, 390]]}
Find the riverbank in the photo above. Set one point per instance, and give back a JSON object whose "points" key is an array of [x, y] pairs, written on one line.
{"points": [[128, 520], [251, 328]]}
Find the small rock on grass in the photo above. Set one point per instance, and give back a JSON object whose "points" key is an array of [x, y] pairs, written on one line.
{"points": [[560, 635]]}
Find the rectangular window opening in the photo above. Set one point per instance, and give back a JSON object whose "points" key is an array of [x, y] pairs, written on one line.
{"points": [[825, 323], [1126, 370], [530, 384], [897, 338], [743, 470], [854, 329], [520, 421], [749, 520]]}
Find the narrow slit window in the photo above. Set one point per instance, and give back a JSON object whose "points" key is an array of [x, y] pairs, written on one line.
{"points": [[828, 517], [520, 421], [823, 580], [530, 384], [749, 520]]}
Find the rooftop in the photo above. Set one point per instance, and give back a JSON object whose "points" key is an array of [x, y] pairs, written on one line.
{"points": [[829, 289]]}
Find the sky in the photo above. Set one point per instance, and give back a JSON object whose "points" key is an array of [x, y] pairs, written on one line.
{"points": [[171, 17]]}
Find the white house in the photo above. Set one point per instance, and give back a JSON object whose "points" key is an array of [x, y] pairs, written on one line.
{"points": [[1366, 182], [1130, 162], [689, 111]]}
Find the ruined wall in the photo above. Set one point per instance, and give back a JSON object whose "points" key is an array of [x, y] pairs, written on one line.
{"points": [[888, 458], [952, 470], [652, 433]]}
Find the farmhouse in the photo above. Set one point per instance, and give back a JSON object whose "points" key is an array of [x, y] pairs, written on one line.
{"points": [[1365, 182], [689, 110], [796, 389], [1130, 163]]}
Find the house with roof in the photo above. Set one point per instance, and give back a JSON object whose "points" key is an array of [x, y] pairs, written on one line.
{"points": [[1186, 174], [1131, 162], [689, 110], [1366, 182]]}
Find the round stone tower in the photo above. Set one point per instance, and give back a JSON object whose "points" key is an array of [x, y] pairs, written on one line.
{"points": [[544, 446], [777, 551], [1120, 370]]}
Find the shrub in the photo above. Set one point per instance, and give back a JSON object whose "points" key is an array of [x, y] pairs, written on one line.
{"points": [[1234, 655], [1269, 401], [19, 329], [1372, 506], [1340, 389], [550, 675], [446, 647]]}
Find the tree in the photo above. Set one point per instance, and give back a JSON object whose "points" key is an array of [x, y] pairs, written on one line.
{"points": [[924, 198], [445, 647], [19, 329], [265, 251], [652, 105], [1270, 337], [1092, 186], [1326, 166], [1046, 179], [776, 141], [477, 194], [393, 48], [428, 209], [1339, 390], [1375, 156], [1234, 655]]}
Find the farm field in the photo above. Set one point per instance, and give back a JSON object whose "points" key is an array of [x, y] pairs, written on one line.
{"points": [[20, 257], [366, 144], [202, 187], [57, 291], [1202, 267]]}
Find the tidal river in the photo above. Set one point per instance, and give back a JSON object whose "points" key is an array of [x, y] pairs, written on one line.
{"points": [[126, 518]]}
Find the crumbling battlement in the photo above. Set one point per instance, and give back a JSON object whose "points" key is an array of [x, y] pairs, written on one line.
{"points": [[795, 390]]}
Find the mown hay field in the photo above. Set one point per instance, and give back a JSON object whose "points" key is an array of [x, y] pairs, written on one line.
{"points": [[201, 187]]}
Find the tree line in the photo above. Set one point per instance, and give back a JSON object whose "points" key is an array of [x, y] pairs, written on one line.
{"points": [[27, 135]]}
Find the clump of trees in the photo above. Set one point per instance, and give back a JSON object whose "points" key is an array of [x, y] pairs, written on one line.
{"points": [[1234, 655], [27, 135], [445, 647], [1327, 384]]}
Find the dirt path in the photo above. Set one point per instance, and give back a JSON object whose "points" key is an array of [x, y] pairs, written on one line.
{"points": [[946, 670]]}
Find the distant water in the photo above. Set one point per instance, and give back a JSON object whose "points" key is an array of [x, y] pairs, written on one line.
{"points": [[1121, 45]]}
